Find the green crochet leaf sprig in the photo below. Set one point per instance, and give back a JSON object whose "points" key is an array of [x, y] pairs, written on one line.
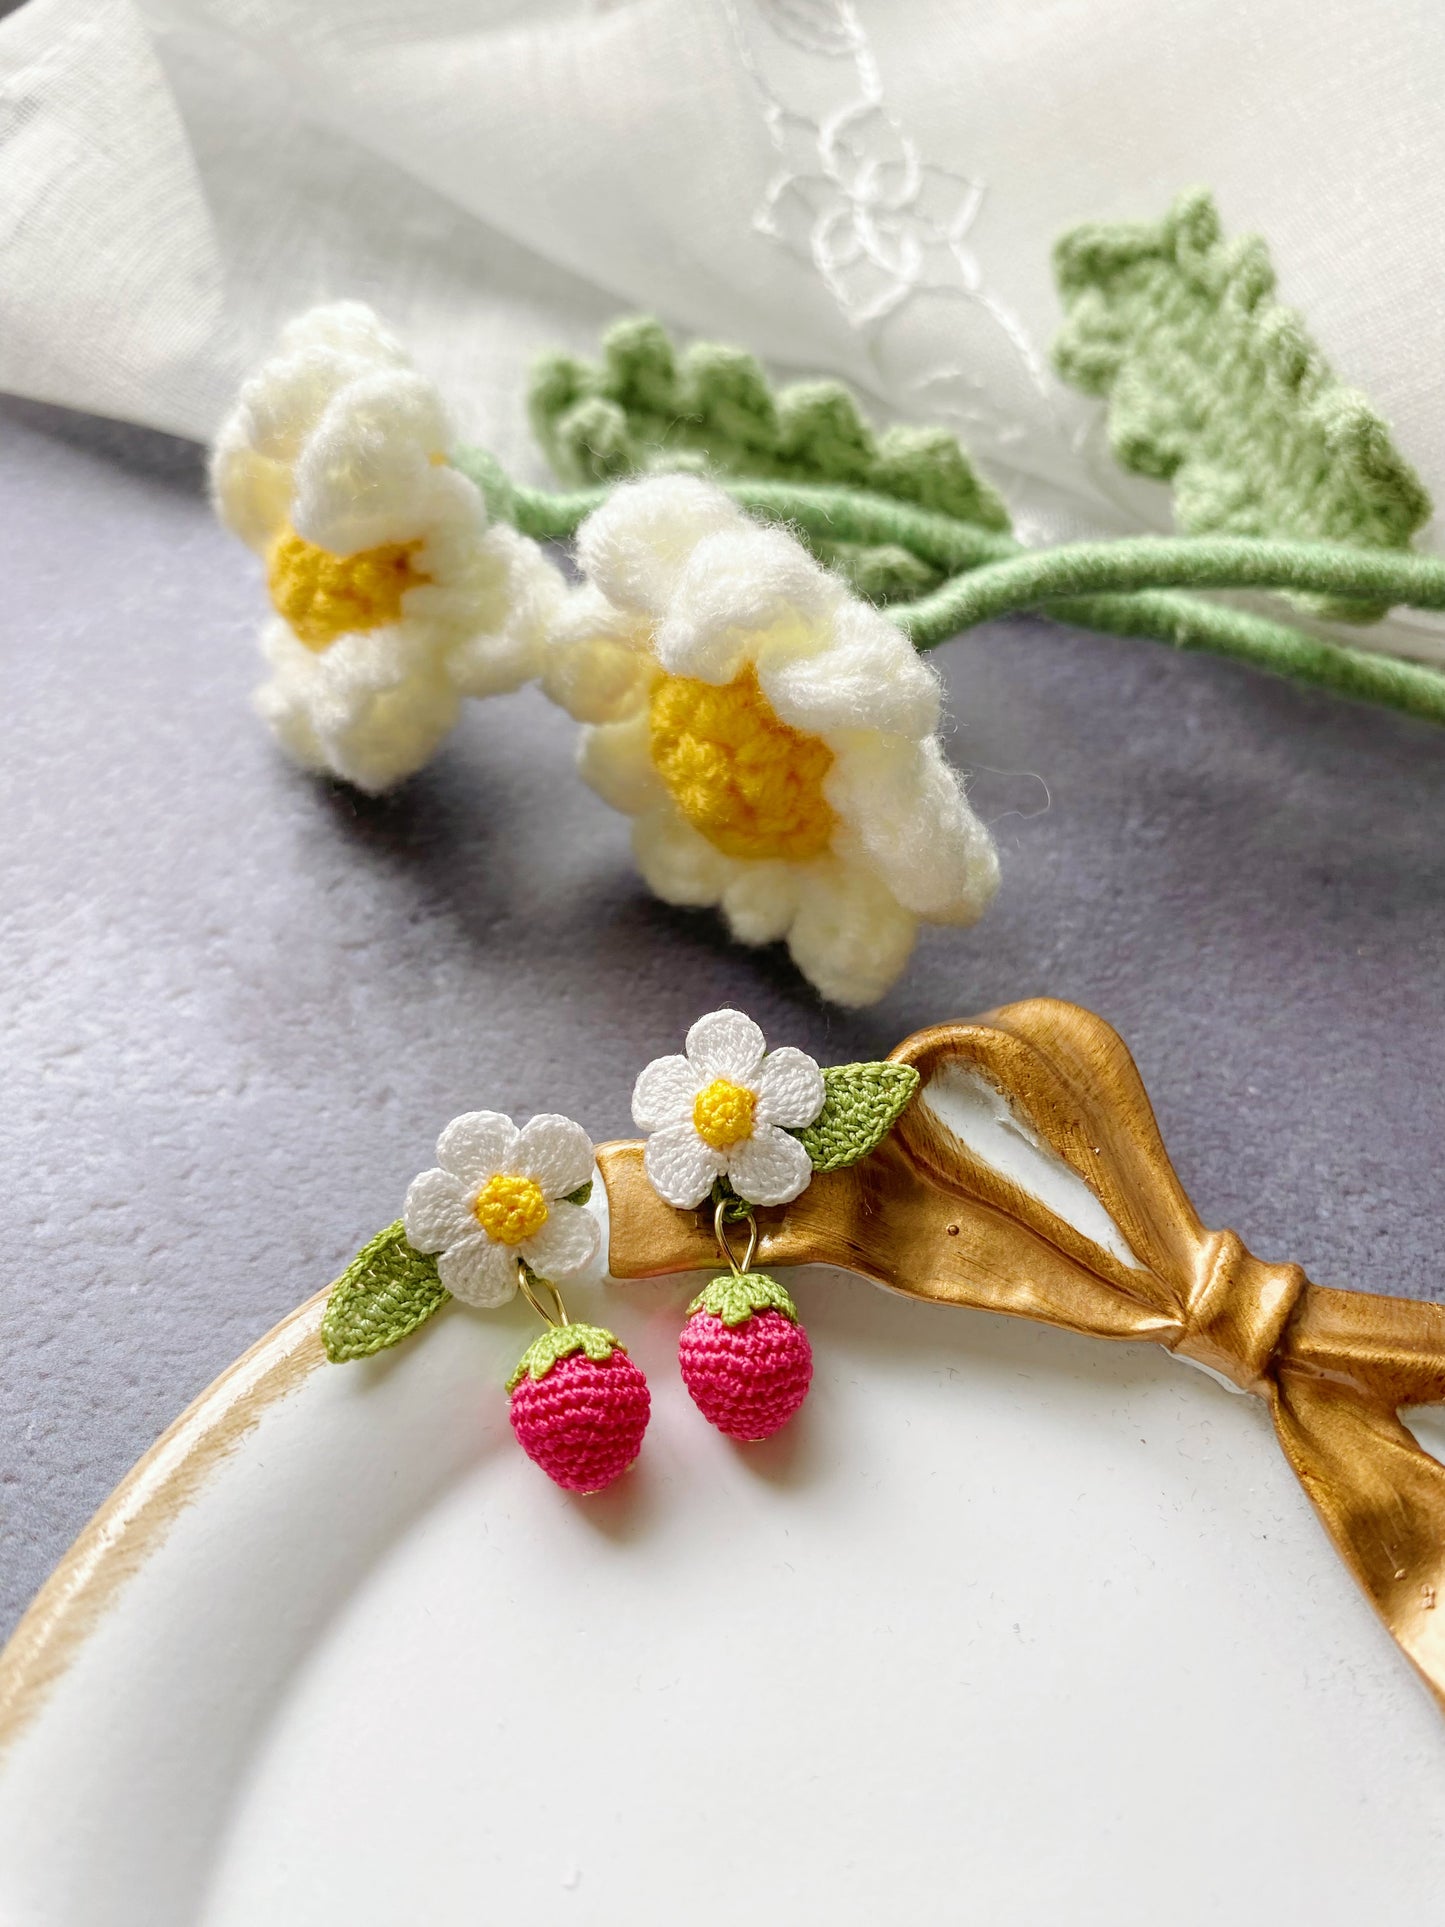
{"points": [[1216, 388], [862, 1104], [388, 1291], [642, 406], [1284, 480]]}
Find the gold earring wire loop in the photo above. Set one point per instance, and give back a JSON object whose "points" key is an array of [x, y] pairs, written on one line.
{"points": [[525, 1281], [720, 1234]]}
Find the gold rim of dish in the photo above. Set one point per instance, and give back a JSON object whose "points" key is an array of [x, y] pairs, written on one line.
{"points": [[133, 1522]]}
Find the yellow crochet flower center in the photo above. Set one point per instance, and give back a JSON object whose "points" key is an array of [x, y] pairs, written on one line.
{"points": [[324, 596], [510, 1209], [722, 1115], [751, 784]]}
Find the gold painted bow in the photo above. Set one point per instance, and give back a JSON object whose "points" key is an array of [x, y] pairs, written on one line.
{"points": [[928, 1216]]}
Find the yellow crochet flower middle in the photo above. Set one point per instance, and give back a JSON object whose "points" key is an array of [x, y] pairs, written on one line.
{"points": [[511, 1209], [751, 784], [723, 1112], [324, 596]]}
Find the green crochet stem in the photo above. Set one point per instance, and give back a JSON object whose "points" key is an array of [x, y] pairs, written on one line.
{"points": [[1025, 581], [1133, 587]]}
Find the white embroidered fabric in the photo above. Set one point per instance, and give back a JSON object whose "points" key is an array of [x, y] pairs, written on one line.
{"points": [[870, 190]]}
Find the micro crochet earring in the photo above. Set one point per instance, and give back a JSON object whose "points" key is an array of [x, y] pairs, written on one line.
{"points": [[505, 1211], [744, 1357], [579, 1404]]}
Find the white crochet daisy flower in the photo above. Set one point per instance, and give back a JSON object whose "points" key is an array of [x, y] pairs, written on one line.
{"points": [[726, 1109], [774, 739], [392, 595], [501, 1194]]}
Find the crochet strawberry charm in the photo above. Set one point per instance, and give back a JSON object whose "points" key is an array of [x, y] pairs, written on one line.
{"points": [[744, 1357], [579, 1406]]}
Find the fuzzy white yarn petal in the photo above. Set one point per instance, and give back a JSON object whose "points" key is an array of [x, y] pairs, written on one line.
{"points": [[596, 658], [770, 1167], [678, 864], [637, 543], [479, 1272], [437, 1212], [870, 677], [790, 1089], [760, 901], [615, 760], [664, 1093], [514, 586], [851, 936], [566, 1244], [745, 594], [366, 474], [346, 327], [476, 1145], [680, 1167], [907, 810], [250, 492], [368, 710], [554, 1151], [598, 681], [726, 1043]]}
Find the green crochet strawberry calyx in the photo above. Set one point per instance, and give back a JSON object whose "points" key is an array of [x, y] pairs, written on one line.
{"points": [[733, 1297], [564, 1341]]}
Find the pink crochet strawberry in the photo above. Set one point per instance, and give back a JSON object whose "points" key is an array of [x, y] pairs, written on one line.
{"points": [[579, 1406], [744, 1357]]}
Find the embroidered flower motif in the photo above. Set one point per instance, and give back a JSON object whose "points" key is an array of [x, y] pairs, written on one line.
{"points": [[726, 1109], [502, 1194], [774, 739], [392, 597]]}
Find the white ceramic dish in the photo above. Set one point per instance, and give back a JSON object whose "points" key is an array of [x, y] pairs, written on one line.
{"points": [[1009, 1627]]}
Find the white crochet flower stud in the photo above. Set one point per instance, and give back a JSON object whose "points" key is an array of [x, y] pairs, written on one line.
{"points": [[774, 739], [727, 1108], [501, 1194], [392, 596]]}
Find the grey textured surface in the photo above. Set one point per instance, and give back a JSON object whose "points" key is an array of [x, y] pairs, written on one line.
{"points": [[240, 1004]]}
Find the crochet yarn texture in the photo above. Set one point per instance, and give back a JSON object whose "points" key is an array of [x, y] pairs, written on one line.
{"points": [[744, 1358], [579, 1407], [642, 407], [861, 1105], [1215, 387], [387, 1290]]}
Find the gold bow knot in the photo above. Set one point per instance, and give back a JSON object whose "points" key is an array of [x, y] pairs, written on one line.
{"points": [[1028, 1177]]}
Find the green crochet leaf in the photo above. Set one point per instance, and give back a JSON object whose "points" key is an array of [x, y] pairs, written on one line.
{"points": [[734, 1298], [1217, 389], [643, 407], [562, 1341], [386, 1291], [863, 1103], [580, 1195]]}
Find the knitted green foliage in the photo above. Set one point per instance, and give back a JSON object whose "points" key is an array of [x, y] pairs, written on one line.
{"points": [[386, 1291], [734, 1297], [863, 1103], [642, 407], [562, 1341], [1216, 388]]}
